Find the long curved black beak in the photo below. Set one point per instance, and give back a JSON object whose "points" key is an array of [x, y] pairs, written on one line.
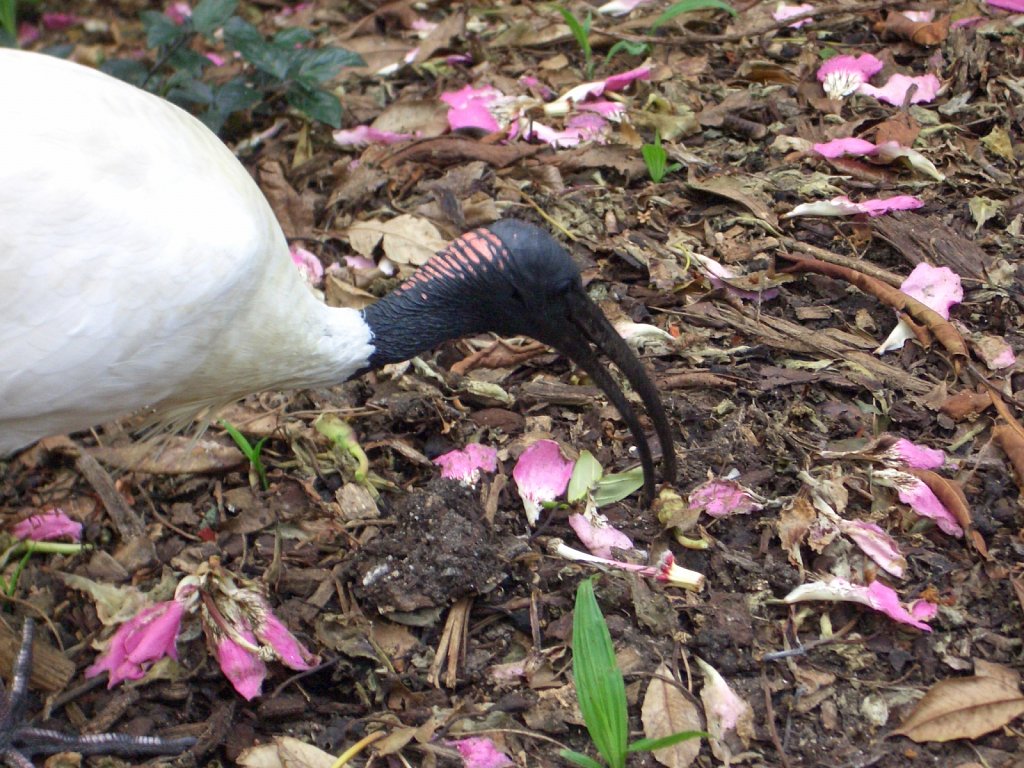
{"points": [[590, 326]]}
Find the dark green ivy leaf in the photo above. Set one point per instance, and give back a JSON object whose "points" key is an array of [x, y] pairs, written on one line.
{"points": [[316, 104]]}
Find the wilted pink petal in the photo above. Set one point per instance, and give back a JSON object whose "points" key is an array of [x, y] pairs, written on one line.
{"points": [[885, 600], [785, 11], [274, 634], [54, 524], [586, 90], [939, 288], [843, 206], [27, 33], [921, 17], [719, 276], [423, 26], [541, 474], [242, 667], [1017, 6], [895, 91], [465, 465], [994, 352], [842, 75], [598, 535], [586, 127], [362, 135], [611, 110], [847, 146], [621, 7], [55, 21], [720, 498], [480, 752], [359, 262], [923, 610], [877, 596], [308, 264], [876, 544], [904, 453], [215, 59], [876, 207], [471, 108], [968, 21], [888, 151], [178, 12], [916, 494], [139, 642], [723, 708]]}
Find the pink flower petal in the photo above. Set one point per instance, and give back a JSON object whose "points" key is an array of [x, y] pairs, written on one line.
{"points": [[903, 453], [843, 206], [916, 494], [598, 535], [178, 12], [471, 108], [293, 654], [877, 207], [848, 146], [720, 498], [55, 21], [885, 600], [139, 642], [842, 75], [308, 264], [54, 524], [724, 709], [895, 91], [877, 596], [939, 288], [480, 752], [921, 17], [1017, 6], [541, 474], [614, 83], [465, 465], [876, 544], [244, 669], [785, 11]]}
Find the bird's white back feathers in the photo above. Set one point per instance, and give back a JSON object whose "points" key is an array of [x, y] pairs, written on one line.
{"points": [[140, 265]]}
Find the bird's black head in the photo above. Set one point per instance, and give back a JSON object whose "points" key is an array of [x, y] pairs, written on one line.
{"points": [[512, 278]]}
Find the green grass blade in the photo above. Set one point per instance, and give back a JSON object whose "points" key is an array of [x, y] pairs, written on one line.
{"points": [[579, 759], [688, 6], [600, 688], [649, 745]]}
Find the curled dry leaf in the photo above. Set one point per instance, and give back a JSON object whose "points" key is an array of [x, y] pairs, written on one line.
{"points": [[1012, 443], [667, 710], [944, 331], [963, 708]]}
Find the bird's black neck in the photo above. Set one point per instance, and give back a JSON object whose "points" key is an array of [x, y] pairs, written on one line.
{"points": [[416, 318]]}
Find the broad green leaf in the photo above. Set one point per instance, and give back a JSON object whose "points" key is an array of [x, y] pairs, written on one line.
{"points": [[189, 90], [160, 30], [293, 36], [210, 15], [600, 689], [612, 488], [649, 745], [322, 64], [688, 6], [265, 56], [655, 158], [315, 104], [584, 476], [579, 759]]}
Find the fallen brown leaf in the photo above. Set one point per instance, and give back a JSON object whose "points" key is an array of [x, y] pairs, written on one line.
{"points": [[666, 710], [963, 708]]}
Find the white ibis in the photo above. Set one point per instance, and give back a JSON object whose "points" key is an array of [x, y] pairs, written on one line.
{"points": [[141, 267]]}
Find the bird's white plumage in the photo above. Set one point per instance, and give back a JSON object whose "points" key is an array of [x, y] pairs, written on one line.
{"points": [[140, 265]]}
